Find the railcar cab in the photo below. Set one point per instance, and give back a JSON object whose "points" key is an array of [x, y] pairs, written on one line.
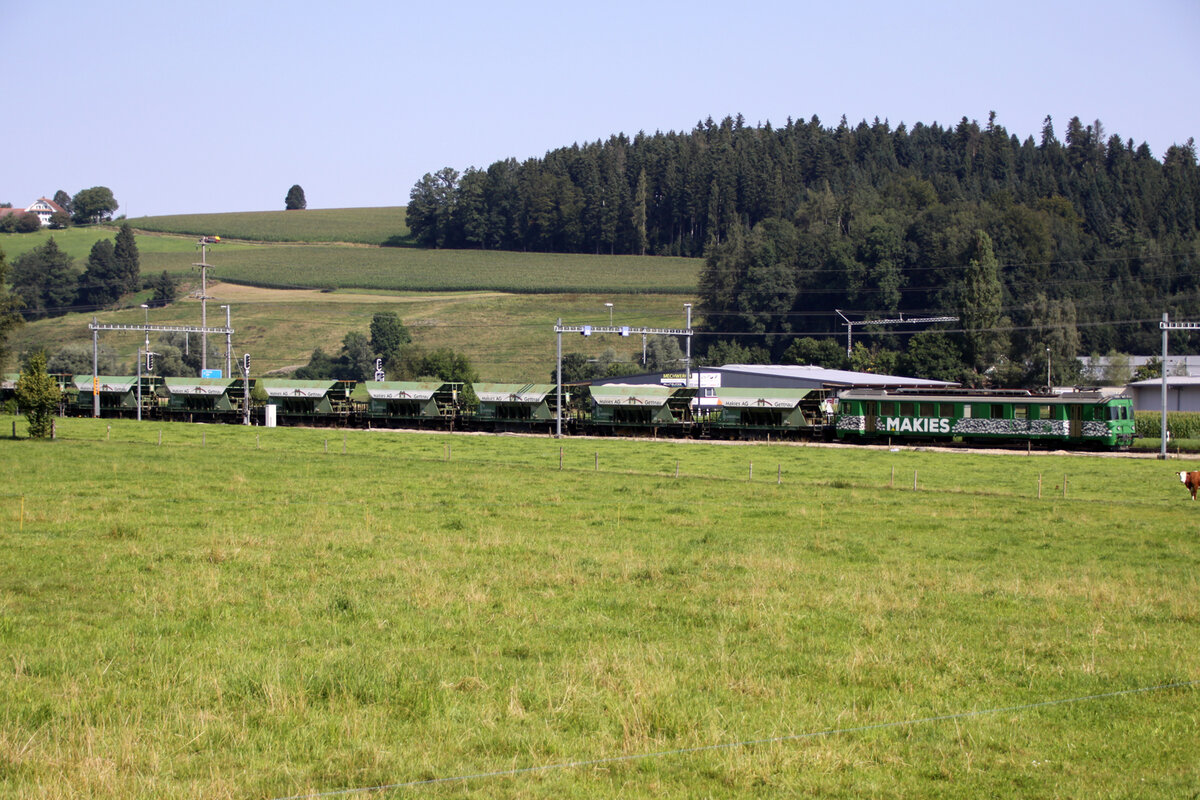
{"points": [[1082, 417]]}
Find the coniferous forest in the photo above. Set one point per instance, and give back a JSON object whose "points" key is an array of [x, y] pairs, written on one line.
{"points": [[1043, 248]]}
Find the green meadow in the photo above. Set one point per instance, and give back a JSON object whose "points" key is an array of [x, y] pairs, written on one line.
{"points": [[213, 611], [498, 308]]}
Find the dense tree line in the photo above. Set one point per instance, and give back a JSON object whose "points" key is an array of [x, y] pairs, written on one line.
{"points": [[1033, 243], [49, 284]]}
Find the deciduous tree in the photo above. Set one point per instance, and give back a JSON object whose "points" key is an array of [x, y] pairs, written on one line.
{"points": [[96, 204], [37, 396]]}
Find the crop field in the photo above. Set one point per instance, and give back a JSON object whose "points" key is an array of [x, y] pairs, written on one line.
{"points": [[212, 611], [411, 269], [359, 225]]}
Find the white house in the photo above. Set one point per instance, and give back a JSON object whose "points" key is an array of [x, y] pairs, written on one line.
{"points": [[44, 208]]}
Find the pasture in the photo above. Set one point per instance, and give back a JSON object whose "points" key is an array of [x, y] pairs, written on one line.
{"points": [[497, 308], [210, 611], [508, 337]]}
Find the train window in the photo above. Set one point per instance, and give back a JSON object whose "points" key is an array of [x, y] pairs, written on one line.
{"points": [[887, 409], [928, 410], [906, 409], [966, 411], [982, 411], [1021, 412], [997, 411]]}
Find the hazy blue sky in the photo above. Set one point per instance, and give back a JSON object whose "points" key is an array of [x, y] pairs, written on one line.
{"points": [[222, 106]]}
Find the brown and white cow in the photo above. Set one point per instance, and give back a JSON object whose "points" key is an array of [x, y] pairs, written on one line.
{"points": [[1191, 480]]}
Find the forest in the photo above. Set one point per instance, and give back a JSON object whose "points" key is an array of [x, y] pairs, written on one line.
{"points": [[1044, 249]]}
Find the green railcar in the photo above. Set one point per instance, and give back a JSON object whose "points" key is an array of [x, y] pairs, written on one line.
{"points": [[1078, 418]]}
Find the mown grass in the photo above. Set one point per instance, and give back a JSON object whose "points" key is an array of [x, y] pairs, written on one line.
{"points": [[238, 612], [507, 337], [361, 225]]}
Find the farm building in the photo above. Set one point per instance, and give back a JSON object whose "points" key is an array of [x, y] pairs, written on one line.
{"points": [[773, 376], [514, 401], [1183, 394]]}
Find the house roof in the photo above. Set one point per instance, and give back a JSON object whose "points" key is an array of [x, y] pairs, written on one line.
{"points": [[53, 207], [1172, 380]]}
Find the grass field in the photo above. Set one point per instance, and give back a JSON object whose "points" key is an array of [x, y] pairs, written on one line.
{"points": [[507, 337], [497, 308], [266, 613], [361, 225]]}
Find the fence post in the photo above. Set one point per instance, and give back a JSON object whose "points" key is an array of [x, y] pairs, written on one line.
{"points": [[597, 461], [1064, 486], [751, 471], [560, 454], [1039, 486], [779, 474], [676, 465], [914, 480], [160, 437], [892, 481]]}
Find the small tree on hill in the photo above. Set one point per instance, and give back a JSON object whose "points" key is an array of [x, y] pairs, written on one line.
{"points": [[295, 199], [38, 396], [96, 204]]}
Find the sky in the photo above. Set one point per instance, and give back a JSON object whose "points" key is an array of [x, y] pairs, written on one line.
{"points": [[223, 106]]}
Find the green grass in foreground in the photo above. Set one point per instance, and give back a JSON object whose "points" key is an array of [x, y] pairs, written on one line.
{"points": [[252, 613]]}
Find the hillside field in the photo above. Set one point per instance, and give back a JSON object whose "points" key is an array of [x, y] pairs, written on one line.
{"points": [[498, 308], [360, 225], [248, 612]]}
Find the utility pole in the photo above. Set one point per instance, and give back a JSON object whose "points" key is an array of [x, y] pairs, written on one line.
{"points": [[687, 359], [1167, 325], [204, 242], [95, 367], [228, 346], [558, 404]]}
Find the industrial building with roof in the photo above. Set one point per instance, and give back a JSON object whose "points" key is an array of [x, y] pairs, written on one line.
{"points": [[774, 376]]}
